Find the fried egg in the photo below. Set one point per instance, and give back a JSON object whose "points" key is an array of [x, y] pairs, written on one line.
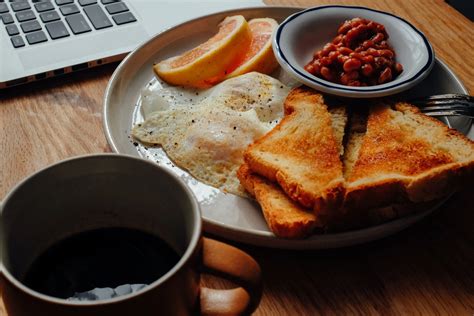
{"points": [[206, 132]]}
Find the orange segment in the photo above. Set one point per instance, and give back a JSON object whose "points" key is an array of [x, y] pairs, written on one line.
{"points": [[208, 63], [186, 58], [259, 56]]}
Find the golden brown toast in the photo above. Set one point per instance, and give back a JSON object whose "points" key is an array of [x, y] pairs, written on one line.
{"points": [[288, 219], [302, 153], [284, 217], [404, 155], [395, 161]]}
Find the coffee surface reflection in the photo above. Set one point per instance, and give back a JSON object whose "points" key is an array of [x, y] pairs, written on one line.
{"points": [[101, 264]]}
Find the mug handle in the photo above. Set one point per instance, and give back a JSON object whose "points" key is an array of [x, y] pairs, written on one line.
{"points": [[230, 263]]}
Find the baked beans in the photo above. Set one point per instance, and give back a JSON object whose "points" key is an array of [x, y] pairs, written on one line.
{"points": [[358, 56]]}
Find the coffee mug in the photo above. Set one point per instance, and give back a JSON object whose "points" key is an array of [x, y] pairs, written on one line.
{"points": [[105, 191]]}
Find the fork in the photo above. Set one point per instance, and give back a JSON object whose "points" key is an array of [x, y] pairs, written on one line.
{"points": [[446, 105]]}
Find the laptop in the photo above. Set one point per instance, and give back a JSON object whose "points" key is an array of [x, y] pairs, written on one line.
{"points": [[40, 39]]}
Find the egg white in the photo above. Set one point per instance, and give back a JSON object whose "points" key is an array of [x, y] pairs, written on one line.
{"points": [[206, 132]]}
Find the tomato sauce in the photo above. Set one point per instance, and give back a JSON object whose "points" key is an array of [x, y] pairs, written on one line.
{"points": [[358, 56]]}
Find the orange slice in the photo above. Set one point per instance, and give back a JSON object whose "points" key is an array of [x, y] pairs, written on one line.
{"points": [[259, 56], [208, 63]]}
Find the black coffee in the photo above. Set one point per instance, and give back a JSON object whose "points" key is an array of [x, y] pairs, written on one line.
{"points": [[102, 258]]}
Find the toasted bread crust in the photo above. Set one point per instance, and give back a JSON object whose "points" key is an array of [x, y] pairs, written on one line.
{"points": [[398, 161], [440, 182], [301, 153], [285, 218]]}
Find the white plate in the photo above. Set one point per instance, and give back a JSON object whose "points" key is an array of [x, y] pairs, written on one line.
{"points": [[228, 215]]}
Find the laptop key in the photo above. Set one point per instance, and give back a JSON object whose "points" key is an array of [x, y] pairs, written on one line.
{"points": [[44, 6], [78, 24], [116, 8], [3, 8], [49, 16], [36, 37], [25, 16], [7, 18], [61, 2], [69, 9], [123, 18], [109, 1], [57, 30], [97, 16], [87, 2], [12, 29], [20, 5], [17, 41], [30, 26]]}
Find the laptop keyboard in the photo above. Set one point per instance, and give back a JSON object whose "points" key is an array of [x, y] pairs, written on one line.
{"points": [[29, 22]]}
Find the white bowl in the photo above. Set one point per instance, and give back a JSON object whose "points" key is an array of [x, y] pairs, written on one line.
{"points": [[301, 34]]}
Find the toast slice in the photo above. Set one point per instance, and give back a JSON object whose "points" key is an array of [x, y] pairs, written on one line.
{"points": [[395, 160], [403, 156], [288, 219], [284, 217], [302, 153]]}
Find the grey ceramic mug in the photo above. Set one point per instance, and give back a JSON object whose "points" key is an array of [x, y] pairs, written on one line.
{"points": [[109, 190]]}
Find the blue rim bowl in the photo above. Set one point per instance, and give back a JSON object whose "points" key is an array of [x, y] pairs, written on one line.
{"points": [[301, 34]]}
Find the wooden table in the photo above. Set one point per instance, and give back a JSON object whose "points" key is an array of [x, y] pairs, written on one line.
{"points": [[426, 269]]}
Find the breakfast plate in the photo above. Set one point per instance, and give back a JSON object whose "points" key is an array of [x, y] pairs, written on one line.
{"points": [[227, 215]]}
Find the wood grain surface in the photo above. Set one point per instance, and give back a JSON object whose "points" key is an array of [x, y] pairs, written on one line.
{"points": [[424, 270]]}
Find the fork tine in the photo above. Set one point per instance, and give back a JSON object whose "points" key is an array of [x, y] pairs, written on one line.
{"points": [[446, 105], [464, 113], [450, 96], [445, 102], [454, 106], [441, 114]]}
